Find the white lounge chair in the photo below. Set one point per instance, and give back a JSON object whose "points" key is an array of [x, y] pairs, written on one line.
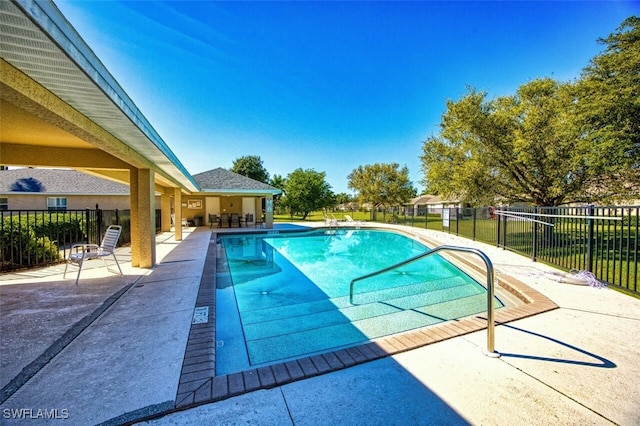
{"points": [[83, 252], [352, 222], [330, 221], [185, 222]]}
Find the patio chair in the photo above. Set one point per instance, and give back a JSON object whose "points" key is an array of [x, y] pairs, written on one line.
{"points": [[224, 220], [248, 219], [213, 218], [352, 222], [330, 221], [83, 252], [235, 220], [185, 222]]}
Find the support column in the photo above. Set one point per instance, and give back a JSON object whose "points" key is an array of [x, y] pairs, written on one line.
{"points": [[143, 218], [268, 211], [147, 217], [134, 218], [165, 206], [177, 209]]}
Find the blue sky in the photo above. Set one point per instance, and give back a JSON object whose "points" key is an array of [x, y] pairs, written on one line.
{"points": [[328, 86]]}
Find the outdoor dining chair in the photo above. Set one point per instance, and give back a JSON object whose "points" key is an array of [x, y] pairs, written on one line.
{"points": [[224, 220], [235, 220], [83, 252]]}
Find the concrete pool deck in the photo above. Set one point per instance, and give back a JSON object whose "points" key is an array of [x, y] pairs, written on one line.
{"points": [[111, 351]]}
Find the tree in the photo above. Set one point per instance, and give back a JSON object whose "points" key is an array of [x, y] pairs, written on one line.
{"points": [[550, 143], [609, 110], [342, 198], [277, 181], [251, 167], [306, 191], [523, 148], [382, 184]]}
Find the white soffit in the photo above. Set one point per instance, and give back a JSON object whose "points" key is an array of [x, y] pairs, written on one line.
{"points": [[38, 40]]}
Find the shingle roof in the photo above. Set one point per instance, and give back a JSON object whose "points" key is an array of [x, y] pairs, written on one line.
{"points": [[430, 199], [223, 180], [56, 181]]}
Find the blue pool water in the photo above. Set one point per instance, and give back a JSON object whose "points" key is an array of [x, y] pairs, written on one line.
{"points": [[287, 295]]}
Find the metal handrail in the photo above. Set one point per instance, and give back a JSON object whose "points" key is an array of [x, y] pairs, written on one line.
{"points": [[490, 287]]}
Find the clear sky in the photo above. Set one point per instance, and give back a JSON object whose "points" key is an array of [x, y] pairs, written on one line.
{"points": [[328, 86]]}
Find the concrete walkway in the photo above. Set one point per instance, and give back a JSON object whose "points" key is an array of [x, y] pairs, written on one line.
{"points": [[110, 351]]}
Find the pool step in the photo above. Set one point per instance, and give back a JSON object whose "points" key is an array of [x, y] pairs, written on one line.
{"points": [[422, 303], [291, 344], [257, 309], [251, 268]]}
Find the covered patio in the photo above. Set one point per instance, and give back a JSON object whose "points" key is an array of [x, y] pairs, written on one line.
{"points": [[227, 200], [61, 108]]}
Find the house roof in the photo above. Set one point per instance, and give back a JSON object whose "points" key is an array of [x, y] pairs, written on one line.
{"points": [[427, 199], [227, 182], [57, 181]]}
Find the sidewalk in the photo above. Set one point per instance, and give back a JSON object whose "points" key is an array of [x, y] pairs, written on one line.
{"points": [[120, 339], [579, 364]]}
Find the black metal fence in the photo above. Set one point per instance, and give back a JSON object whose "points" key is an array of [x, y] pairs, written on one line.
{"points": [[601, 240], [31, 238]]}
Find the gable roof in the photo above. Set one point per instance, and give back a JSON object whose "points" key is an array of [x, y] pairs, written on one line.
{"points": [[429, 199], [57, 181], [227, 182]]}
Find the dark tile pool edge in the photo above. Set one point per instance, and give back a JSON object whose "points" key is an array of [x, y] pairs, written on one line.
{"points": [[198, 384]]}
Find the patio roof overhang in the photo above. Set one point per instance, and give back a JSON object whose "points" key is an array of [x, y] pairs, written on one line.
{"points": [[60, 107]]}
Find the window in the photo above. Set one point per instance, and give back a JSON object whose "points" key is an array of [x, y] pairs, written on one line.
{"points": [[4, 204], [56, 203]]}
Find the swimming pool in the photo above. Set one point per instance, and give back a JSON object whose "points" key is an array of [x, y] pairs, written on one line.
{"points": [[286, 295]]}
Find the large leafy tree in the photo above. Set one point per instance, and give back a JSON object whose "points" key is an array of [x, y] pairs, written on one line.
{"points": [[609, 110], [382, 184], [550, 143], [524, 148], [306, 191], [251, 166]]}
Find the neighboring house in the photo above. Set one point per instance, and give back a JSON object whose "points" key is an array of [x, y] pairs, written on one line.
{"points": [[431, 204], [222, 191], [58, 189]]}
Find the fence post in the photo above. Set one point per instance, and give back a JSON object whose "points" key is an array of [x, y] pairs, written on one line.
{"points": [[87, 217], [505, 232], [534, 255], [590, 226], [497, 219], [98, 224], [473, 226]]}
